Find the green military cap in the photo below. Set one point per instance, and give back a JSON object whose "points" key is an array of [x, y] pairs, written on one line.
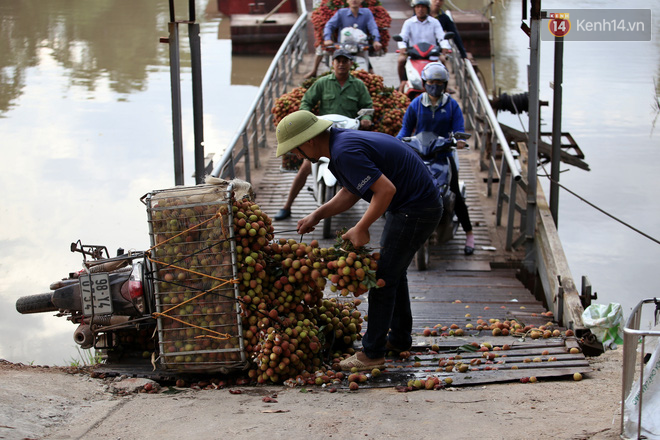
{"points": [[297, 128]]}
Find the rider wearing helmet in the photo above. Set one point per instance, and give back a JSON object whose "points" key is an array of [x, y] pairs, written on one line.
{"points": [[435, 110], [422, 28], [426, 3], [434, 79]]}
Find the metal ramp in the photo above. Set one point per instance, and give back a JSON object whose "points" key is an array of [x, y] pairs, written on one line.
{"points": [[483, 286], [488, 278]]}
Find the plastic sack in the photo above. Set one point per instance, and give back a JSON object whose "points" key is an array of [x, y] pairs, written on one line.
{"points": [[650, 401], [605, 322]]}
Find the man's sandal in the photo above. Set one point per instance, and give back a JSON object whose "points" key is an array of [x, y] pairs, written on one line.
{"points": [[353, 362]]}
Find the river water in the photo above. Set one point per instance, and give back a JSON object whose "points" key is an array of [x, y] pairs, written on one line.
{"points": [[85, 123]]}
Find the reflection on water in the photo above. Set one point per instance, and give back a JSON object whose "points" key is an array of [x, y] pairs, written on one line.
{"points": [[111, 41], [85, 123], [608, 95], [85, 118], [249, 69]]}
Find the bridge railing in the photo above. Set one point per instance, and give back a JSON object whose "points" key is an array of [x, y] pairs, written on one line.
{"points": [[495, 155], [242, 153]]}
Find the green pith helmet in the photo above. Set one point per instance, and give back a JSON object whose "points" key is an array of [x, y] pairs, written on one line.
{"points": [[297, 128]]}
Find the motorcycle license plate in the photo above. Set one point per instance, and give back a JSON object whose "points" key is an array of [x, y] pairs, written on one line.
{"points": [[95, 292]]}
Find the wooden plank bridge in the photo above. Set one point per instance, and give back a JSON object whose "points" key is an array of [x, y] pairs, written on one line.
{"points": [[457, 295], [455, 290]]}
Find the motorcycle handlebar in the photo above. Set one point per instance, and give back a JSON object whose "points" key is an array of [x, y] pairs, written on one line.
{"points": [[336, 46], [427, 138]]}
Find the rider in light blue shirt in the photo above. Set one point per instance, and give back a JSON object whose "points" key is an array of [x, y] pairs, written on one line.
{"points": [[348, 17], [345, 17]]}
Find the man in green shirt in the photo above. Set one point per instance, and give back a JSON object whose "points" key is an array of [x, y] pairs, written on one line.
{"points": [[338, 93]]}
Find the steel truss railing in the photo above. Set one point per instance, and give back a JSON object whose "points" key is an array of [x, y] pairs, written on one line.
{"points": [[495, 155]]}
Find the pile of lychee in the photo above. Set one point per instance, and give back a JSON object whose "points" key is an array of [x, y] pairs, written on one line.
{"points": [[218, 262]]}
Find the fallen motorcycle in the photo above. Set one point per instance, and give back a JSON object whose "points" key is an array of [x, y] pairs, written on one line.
{"points": [[108, 299], [174, 303]]}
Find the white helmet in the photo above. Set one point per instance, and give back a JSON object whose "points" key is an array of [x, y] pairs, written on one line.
{"points": [[426, 3], [435, 71]]}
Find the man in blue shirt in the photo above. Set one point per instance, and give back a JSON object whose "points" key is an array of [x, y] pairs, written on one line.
{"points": [[390, 176], [353, 15]]}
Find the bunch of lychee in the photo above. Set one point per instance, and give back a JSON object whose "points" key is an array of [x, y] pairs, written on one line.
{"points": [[203, 254], [283, 354], [341, 324]]}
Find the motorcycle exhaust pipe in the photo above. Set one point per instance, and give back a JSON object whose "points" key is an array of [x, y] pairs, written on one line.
{"points": [[84, 335]]}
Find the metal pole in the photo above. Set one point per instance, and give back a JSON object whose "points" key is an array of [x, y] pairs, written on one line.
{"points": [[191, 10], [529, 261], [556, 129], [171, 5], [491, 37], [198, 111], [175, 79]]}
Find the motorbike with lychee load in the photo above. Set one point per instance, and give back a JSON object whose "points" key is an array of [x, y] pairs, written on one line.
{"points": [[436, 152], [108, 299], [174, 303], [419, 55], [175, 306], [213, 294], [353, 41], [325, 183]]}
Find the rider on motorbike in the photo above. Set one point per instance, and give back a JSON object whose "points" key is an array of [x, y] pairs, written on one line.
{"points": [[351, 16], [421, 28], [436, 111], [338, 93]]}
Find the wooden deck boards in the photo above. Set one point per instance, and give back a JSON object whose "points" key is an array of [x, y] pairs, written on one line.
{"points": [[454, 285], [483, 284], [456, 289]]}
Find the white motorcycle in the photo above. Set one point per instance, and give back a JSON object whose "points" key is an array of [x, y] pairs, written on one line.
{"points": [[325, 183], [355, 42]]}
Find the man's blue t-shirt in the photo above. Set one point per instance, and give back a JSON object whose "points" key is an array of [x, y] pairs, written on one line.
{"points": [[359, 158], [344, 17]]}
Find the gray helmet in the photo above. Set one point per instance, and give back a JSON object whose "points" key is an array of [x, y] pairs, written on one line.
{"points": [[435, 71], [426, 3]]}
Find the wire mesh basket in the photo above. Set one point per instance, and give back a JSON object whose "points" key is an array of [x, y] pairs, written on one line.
{"points": [[194, 254]]}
